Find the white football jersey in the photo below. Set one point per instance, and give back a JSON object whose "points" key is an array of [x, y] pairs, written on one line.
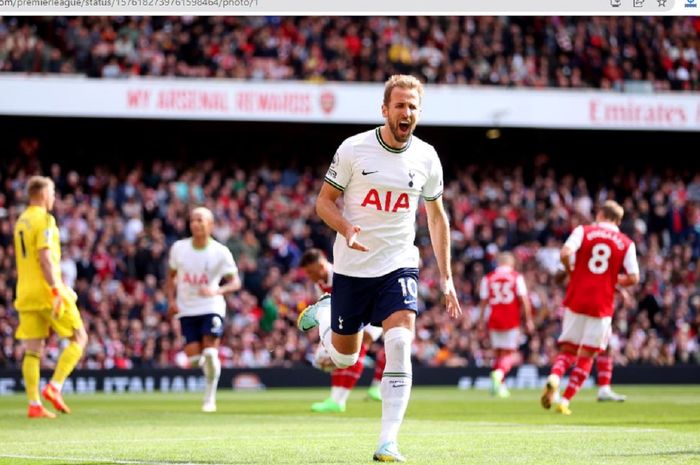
{"points": [[200, 267], [381, 190]]}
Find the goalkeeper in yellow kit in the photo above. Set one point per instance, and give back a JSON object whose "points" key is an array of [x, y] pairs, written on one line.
{"points": [[43, 301]]}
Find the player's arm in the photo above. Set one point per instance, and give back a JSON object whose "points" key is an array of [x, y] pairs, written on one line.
{"points": [[47, 267], [482, 311], [229, 277], [631, 277], [171, 280], [231, 283], [170, 290], [571, 246], [524, 300], [439, 228], [42, 242], [624, 294], [483, 301], [47, 270], [327, 209], [560, 277], [627, 280]]}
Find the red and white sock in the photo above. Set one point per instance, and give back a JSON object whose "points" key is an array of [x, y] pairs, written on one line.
{"points": [[578, 376], [562, 363], [379, 365], [604, 366], [503, 364], [347, 377]]}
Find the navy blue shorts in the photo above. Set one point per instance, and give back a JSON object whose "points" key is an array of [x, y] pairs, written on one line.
{"points": [[356, 302], [194, 328]]}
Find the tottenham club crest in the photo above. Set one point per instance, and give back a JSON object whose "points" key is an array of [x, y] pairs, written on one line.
{"points": [[411, 174]]}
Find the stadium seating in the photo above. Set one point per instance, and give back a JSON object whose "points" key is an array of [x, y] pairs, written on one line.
{"points": [[576, 52], [116, 228]]}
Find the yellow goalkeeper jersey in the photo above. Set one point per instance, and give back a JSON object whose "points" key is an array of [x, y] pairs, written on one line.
{"points": [[35, 229]]}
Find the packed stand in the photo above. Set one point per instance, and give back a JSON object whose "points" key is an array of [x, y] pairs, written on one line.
{"points": [[566, 52], [116, 231]]}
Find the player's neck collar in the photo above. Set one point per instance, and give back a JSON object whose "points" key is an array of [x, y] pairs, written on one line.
{"points": [[608, 225], [387, 147], [200, 248]]}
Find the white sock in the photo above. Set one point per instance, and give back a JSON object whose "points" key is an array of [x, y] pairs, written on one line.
{"points": [[340, 394], [376, 382], [212, 371], [57, 385], [34, 403], [604, 389], [396, 382], [564, 402]]}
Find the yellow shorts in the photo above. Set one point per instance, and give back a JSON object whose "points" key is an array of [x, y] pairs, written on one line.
{"points": [[35, 324]]}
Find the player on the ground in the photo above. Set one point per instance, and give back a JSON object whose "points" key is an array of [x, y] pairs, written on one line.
{"points": [[343, 380], [43, 300], [504, 291], [382, 174], [202, 270], [598, 257]]}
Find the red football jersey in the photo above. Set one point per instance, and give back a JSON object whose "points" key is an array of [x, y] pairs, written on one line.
{"points": [[602, 252], [501, 288]]}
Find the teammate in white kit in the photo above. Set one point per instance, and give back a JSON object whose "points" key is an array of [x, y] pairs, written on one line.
{"points": [[382, 174], [198, 267]]}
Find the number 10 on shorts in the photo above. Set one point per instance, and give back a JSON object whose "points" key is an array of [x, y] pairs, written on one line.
{"points": [[409, 289]]}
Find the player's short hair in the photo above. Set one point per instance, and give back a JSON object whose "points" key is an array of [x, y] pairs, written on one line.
{"points": [[612, 211], [311, 256], [505, 258], [36, 184], [208, 215], [404, 81]]}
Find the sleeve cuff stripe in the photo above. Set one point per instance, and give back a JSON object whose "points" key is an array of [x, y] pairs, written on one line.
{"points": [[334, 184], [434, 197]]}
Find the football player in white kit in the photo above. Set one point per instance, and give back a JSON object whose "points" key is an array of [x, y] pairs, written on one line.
{"points": [[202, 270], [382, 174]]}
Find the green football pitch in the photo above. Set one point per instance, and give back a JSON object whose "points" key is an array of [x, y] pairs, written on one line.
{"points": [[443, 426]]}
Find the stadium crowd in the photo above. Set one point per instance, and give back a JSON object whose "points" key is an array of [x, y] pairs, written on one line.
{"points": [[116, 227], [576, 52]]}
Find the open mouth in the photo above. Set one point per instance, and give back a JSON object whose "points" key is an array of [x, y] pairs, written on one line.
{"points": [[404, 126]]}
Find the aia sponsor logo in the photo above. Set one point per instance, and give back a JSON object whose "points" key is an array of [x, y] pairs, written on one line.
{"points": [[388, 202], [195, 279]]}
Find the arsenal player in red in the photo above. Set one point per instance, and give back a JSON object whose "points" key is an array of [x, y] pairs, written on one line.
{"points": [[343, 380], [598, 257], [504, 291]]}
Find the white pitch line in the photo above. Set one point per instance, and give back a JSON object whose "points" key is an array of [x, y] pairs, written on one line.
{"points": [[107, 441], [97, 459], [551, 429]]}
